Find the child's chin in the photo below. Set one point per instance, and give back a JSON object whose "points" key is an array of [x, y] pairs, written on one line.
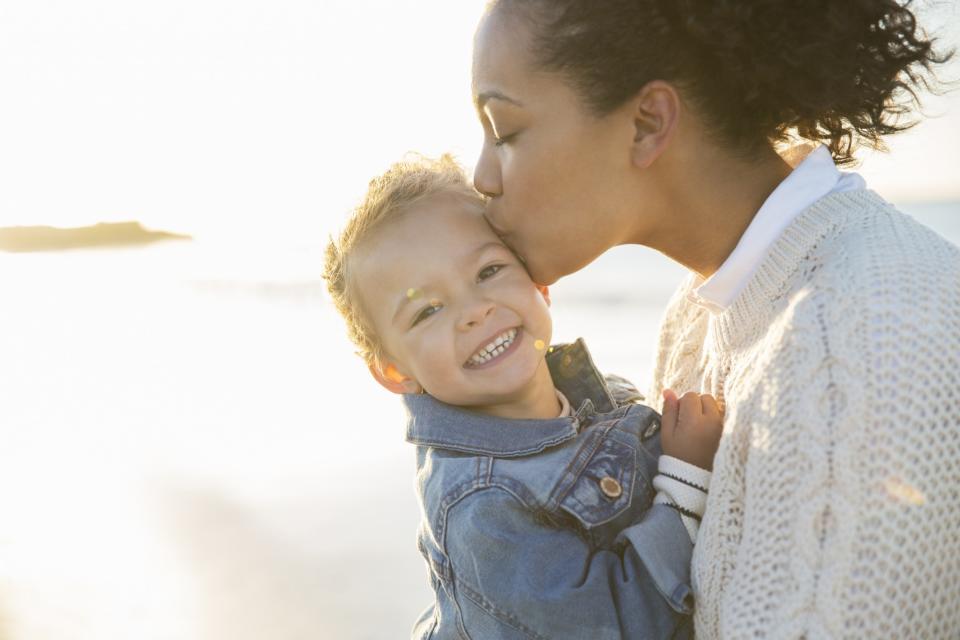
{"points": [[506, 387], [481, 395]]}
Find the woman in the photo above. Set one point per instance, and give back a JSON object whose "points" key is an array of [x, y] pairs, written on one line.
{"points": [[827, 321]]}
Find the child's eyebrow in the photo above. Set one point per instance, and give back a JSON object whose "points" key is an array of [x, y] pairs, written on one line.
{"points": [[487, 245], [412, 293], [406, 298]]}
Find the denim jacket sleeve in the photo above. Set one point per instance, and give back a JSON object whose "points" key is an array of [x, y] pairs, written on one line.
{"points": [[515, 576]]}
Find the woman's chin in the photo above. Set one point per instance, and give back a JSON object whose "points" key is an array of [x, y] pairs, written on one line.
{"points": [[547, 271], [542, 274]]}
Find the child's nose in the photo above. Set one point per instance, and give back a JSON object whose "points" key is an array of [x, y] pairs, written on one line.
{"points": [[475, 314]]}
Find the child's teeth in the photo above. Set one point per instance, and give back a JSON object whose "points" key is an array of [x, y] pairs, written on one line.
{"points": [[495, 348]]}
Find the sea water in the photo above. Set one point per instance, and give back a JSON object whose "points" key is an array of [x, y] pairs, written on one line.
{"points": [[189, 448]]}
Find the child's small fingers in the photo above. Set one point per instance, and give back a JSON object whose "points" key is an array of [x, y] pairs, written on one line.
{"points": [[671, 409], [710, 406], [690, 408]]}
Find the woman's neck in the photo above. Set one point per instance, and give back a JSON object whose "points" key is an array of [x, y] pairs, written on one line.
{"points": [[707, 200]]}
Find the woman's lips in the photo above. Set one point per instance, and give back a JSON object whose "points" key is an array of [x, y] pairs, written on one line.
{"points": [[499, 358], [493, 225], [504, 237]]}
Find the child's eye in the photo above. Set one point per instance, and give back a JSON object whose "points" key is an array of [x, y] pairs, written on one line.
{"points": [[425, 313], [488, 272]]}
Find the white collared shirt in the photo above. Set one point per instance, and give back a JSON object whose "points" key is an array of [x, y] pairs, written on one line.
{"points": [[815, 177]]}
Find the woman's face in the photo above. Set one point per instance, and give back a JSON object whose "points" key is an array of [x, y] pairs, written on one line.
{"points": [[555, 174]]}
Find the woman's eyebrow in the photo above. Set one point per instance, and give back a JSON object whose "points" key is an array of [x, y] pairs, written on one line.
{"points": [[484, 96]]}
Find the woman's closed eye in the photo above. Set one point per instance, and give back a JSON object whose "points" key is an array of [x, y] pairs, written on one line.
{"points": [[499, 141], [496, 133]]}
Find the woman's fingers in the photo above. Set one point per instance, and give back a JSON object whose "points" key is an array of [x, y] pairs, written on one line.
{"points": [[671, 410]]}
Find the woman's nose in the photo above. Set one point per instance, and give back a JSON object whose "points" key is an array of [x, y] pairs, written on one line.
{"points": [[486, 175], [476, 314]]}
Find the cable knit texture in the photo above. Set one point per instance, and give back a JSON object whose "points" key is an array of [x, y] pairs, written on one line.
{"points": [[834, 507]]}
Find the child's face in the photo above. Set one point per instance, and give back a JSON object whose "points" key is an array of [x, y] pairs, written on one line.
{"points": [[439, 287]]}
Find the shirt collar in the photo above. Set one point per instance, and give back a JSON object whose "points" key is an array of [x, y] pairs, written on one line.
{"points": [[437, 424], [813, 178]]}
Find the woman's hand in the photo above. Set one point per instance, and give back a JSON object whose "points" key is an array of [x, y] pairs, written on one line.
{"points": [[691, 426]]}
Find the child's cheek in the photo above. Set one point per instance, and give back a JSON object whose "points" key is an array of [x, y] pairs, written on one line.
{"points": [[434, 354]]}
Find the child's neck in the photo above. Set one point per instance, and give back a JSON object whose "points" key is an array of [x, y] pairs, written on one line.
{"points": [[537, 401]]}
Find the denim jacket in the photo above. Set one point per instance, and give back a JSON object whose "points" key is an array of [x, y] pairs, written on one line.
{"points": [[545, 528]]}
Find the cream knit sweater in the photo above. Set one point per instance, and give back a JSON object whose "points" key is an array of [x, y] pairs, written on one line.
{"points": [[834, 508]]}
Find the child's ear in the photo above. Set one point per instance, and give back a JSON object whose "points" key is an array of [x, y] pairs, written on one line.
{"points": [[391, 379], [545, 292]]}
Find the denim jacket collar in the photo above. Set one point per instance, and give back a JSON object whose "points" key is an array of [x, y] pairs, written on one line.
{"points": [[437, 424]]}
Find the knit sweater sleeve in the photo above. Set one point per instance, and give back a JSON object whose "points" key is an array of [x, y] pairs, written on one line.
{"points": [[834, 505]]}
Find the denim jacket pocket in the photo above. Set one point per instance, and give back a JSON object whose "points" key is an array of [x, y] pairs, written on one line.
{"points": [[603, 487]]}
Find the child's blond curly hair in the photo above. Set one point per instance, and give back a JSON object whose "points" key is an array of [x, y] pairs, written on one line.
{"points": [[396, 191]]}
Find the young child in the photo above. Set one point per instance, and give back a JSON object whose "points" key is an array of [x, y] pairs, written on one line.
{"points": [[536, 475]]}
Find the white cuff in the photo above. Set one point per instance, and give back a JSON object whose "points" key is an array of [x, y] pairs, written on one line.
{"points": [[684, 487]]}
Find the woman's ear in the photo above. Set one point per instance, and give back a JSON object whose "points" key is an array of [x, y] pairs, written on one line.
{"points": [[656, 112], [545, 292], [391, 379]]}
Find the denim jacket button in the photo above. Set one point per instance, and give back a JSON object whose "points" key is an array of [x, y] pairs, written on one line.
{"points": [[651, 430], [610, 487]]}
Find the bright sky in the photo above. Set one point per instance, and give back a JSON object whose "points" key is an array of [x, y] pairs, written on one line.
{"points": [[268, 117]]}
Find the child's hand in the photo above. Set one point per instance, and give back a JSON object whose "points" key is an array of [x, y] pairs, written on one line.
{"points": [[690, 427]]}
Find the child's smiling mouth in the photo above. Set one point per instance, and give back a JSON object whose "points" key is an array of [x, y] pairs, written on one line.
{"points": [[503, 343]]}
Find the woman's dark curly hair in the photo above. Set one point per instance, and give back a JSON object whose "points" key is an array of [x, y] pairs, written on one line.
{"points": [[844, 72]]}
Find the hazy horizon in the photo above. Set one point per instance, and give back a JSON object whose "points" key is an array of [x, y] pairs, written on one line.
{"points": [[317, 242], [268, 120]]}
